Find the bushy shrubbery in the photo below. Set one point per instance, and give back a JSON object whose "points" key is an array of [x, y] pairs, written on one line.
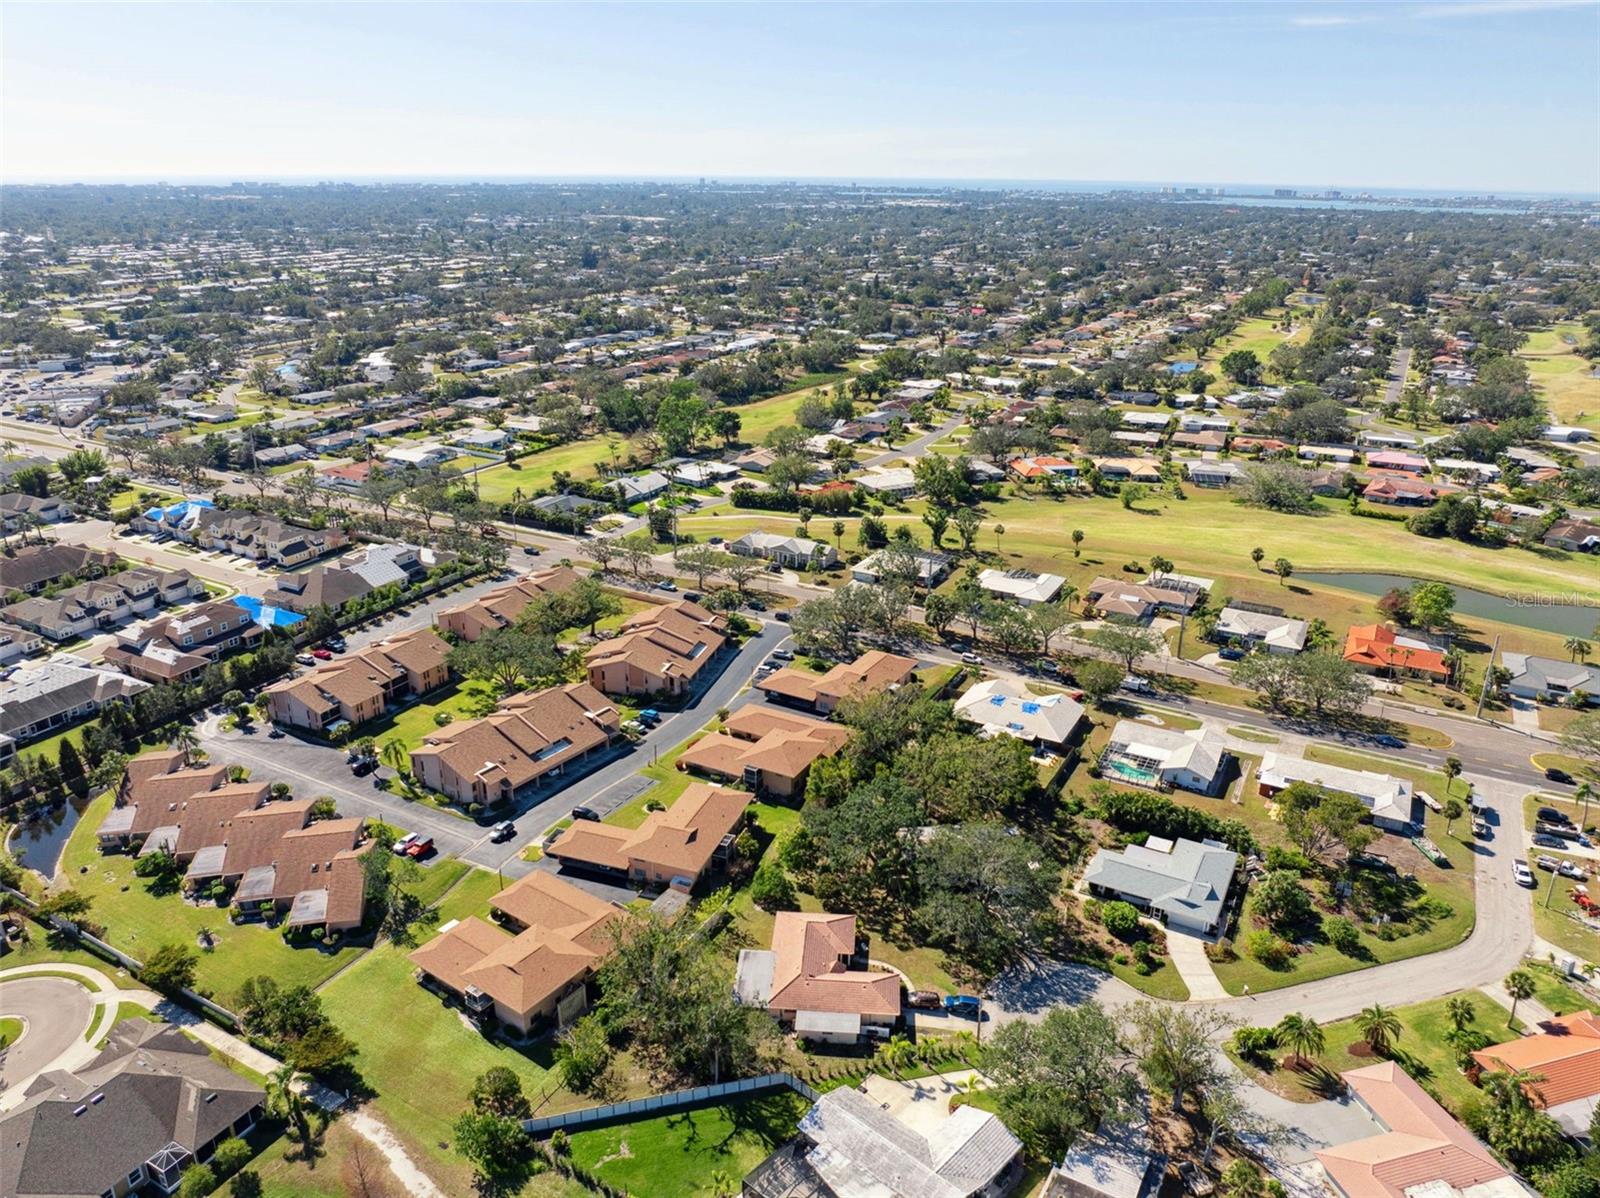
{"points": [[1135, 811], [1120, 919], [1255, 1043], [1342, 934], [1272, 951]]}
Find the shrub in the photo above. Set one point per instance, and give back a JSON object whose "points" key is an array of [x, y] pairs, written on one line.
{"points": [[1092, 909], [1272, 951], [1121, 920], [771, 889], [441, 718], [1255, 1043], [231, 1156], [1282, 857], [1342, 934]]}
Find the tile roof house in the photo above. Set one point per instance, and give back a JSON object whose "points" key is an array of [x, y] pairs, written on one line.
{"points": [[1136, 600], [362, 685], [796, 552], [769, 751], [530, 738], [1402, 491], [660, 650], [850, 1146], [675, 847], [179, 647], [814, 979], [1183, 883], [539, 970], [1550, 679], [148, 1105], [1579, 536], [1006, 707], [931, 566], [873, 671], [1144, 753], [1377, 647], [1420, 1152], [41, 699], [1391, 800], [34, 567], [501, 606], [1565, 1052], [1274, 633]]}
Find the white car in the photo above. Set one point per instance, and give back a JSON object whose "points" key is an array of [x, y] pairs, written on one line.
{"points": [[1521, 872], [404, 843]]}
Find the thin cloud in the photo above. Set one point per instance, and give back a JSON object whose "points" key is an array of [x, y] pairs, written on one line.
{"points": [[1327, 21], [1495, 8]]}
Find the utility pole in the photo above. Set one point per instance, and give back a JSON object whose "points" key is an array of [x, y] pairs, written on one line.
{"points": [[1488, 671], [1551, 892]]}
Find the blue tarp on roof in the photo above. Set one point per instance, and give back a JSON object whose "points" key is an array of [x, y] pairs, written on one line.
{"points": [[178, 510], [267, 617], [1030, 709]]}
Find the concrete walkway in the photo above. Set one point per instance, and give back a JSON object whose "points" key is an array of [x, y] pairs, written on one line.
{"points": [[110, 997], [1188, 956]]}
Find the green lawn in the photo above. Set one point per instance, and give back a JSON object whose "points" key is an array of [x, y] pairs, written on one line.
{"points": [[10, 1029], [1554, 993], [1260, 334], [126, 1010], [498, 484], [419, 1056], [1563, 380], [411, 724], [682, 1153], [670, 782], [1422, 1051], [138, 922]]}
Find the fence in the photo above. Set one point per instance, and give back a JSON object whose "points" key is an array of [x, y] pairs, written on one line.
{"points": [[644, 1108], [107, 952]]}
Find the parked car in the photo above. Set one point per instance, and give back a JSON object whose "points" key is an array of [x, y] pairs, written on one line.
{"points": [[305, 659], [925, 1000], [582, 812], [781, 616], [403, 845], [276, 734], [1230, 653], [504, 830], [7, 672], [713, 540], [337, 644], [755, 604], [363, 766], [971, 659], [1571, 869], [420, 848], [1522, 874], [1045, 666], [965, 1006], [322, 654], [632, 726], [1194, 1181], [650, 717], [1558, 775], [1546, 841], [1480, 829], [1551, 815], [693, 596], [783, 654]]}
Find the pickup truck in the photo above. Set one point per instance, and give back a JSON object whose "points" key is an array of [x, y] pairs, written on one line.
{"points": [[1551, 828]]}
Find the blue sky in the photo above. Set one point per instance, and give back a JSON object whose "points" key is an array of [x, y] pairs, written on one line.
{"points": [[1461, 96]]}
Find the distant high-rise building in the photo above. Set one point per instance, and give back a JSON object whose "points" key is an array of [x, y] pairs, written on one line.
{"points": [[1284, 193]]}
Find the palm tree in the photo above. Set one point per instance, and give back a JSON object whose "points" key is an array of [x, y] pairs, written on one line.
{"points": [[722, 1184], [1077, 541], [1460, 1011], [897, 1052], [186, 742], [286, 1099], [1452, 810], [1302, 1036], [1256, 555], [1584, 793], [999, 531], [1519, 985], [1577, 648], [395, 756], [1379, 1027]]}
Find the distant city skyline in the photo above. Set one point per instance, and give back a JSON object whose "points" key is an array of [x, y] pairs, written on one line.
{"points": [[1497, 97]]}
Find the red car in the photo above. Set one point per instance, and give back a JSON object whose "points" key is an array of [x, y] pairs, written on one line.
{"points": [[420, 848], [322, 654]]}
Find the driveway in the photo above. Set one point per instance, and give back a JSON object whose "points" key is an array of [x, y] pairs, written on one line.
{"points": [[55, 1013], [1188, 955]]}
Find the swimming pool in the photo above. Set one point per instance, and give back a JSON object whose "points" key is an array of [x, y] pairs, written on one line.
{"points": [[267, 617]]}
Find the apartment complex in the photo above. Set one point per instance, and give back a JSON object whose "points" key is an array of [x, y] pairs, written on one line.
{"points": [[361, 686], [658, 651]]}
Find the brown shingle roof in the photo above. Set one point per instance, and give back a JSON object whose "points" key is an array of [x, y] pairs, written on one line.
{"points": [[807, 973]]}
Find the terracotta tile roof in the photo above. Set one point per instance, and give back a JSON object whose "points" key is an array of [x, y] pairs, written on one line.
{"points": [[677, 639], [754, 721], [873, 671], [500, 607], [532, 734], [784, 752], [679, 840], [1375, 645], [250, 836], [157, 799], [808, 974], [1566, 1052], [202, 818], [1422, 1143], [362, 676]]}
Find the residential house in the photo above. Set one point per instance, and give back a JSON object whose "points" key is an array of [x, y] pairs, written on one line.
{"points": [[1006, 707], [501, 607], [32, 568], [352, 576], [854, 1146], [1549, 679], [769, 751], [639, 488], [1206, 440], [1375, 647], [1260, 446], [1184, 883], [1137, 600], [931, 567], [660, 650], [898, 483], [1213, 474], [362, 685], [144, 1108], [1390, 800], [530, 738], [1274, 632], [1138, 470], [1577, 536], [756, 461], [873, 671], [491, 439], [43, 699], [570, 507], [702, 474], [280, 455], [798, 553], [1030, 469], [1116, 1161], [259, 538], [15, 643], [1151, 756], [1420, 1151], [1023, 587], [1406, 463], [675, 847], [18, 510], [178, 648], [815, 979], [1402, 492], [536, 972], [1565, 1055], [351, 476], [92, 607], [419, 455]]}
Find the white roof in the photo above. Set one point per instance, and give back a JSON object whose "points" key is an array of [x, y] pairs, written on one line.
{"points": [[1022, 584], [1200, 752], [1384, 796], [1279, 631], [898, 479], [1004, 705]]}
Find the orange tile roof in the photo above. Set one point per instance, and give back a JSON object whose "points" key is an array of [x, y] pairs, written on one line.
{"points": [[807, 973], [1566, 1053], [679, 840], [1422, 1143], [530, 735], [1374, 645]]}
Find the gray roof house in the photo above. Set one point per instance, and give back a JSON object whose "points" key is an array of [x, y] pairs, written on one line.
{"points": [[1183, 883], [38, 701], [848, 1146], [1114, 1162], [148, 1106], [1275, 634], [1549, 679], [1151, 756], [636, 488]]}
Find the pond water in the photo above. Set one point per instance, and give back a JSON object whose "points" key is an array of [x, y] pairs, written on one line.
{"points": [[1541, 612], [37, 842]]}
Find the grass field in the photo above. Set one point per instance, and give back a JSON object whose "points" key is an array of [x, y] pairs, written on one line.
{"points": [[1554, 993], [412, 723], [1565, 381], [1260, 334], [1421, 1050], [138, 922], [10, 1029], [684, 1153]]}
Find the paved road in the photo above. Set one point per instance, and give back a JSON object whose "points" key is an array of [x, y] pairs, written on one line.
{"points": [[56, 1013], [1399, 366], [918, 446]]}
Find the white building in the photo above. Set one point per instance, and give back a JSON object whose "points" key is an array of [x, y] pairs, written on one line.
{"points": [[1006, 707], [1389, 799], [898, 483], [421, 455], [1022, 586], [1144, 754], [931, 567], [1276, 634]]}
